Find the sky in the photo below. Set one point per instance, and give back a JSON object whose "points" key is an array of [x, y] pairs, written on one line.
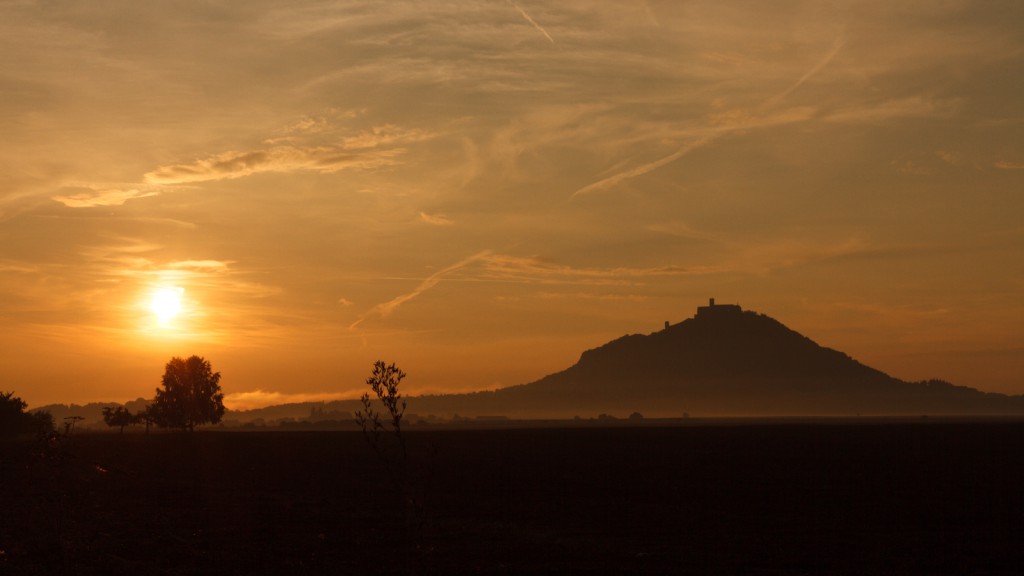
{"points": [[481, 190]]}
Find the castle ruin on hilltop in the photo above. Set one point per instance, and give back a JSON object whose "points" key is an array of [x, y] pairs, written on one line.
{"points": [[713, 309]]}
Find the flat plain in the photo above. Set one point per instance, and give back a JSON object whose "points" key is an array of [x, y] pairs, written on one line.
{"points": [[731, 497]]}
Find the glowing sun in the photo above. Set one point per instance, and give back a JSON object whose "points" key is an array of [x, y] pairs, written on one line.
{"points": [[166, 303]]}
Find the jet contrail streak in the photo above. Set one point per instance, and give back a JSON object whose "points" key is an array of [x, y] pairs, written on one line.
{"points": [[641, 170], [386, 308], [533, 22], [836, 46]]}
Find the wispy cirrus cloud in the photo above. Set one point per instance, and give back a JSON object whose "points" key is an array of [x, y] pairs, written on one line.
{"points": [[744, 259], [600, 297], [230, 165], [766, 115], [91, 198], [532, 269], [310, 144], [722, 125], [872, 112], [139, 262], [17, 267], [315, 124], [436, 219], [367, 150], [200, 265]]}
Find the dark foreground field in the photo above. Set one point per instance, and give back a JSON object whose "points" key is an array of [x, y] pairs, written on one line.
{"points": [[827, 498]]}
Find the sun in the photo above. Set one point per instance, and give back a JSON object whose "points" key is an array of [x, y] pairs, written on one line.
{"points": [[166, 303]]}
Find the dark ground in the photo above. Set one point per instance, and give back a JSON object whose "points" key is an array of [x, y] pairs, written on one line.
{"points": [[778, 498]]}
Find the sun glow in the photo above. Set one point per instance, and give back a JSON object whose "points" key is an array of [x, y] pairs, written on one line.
{"points": [[166, 303]]}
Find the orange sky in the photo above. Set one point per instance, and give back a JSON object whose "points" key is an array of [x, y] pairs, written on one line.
{"points": [[480, 190]]}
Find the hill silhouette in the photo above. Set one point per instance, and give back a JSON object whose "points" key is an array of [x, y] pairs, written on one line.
{"points": [[724, 361]]}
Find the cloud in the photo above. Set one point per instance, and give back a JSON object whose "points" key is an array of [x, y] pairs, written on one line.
{"points": [[536, 270], [723, 123], [576, 296], [120, 256], [320, 123], [384, 309], [679, 230], [371, 149], [376, 147], [382, 136], [91, 198], [436, 219], [259, 398], [230, 165], [723, 57], [18, 267], [736, 122], [199, 265], [135, 259], [897, 108], [767, 257], [1006, 165]]}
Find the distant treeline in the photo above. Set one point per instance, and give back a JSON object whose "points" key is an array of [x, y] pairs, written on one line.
{"points": [[328, 416]]}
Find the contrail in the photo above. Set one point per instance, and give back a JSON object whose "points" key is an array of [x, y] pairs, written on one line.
{"points": [[641, 170], [650, 14], [836, 46], [384, 309], [533, 22]]}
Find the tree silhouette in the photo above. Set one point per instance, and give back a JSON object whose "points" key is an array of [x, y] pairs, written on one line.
{"points": [[190, 395], [12, 413], [41, 422], [147, 416], [14, 420], [119, 416]]}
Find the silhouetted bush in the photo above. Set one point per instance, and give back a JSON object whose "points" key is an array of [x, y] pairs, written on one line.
{"points": [[384, 382], [410, 487]]}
